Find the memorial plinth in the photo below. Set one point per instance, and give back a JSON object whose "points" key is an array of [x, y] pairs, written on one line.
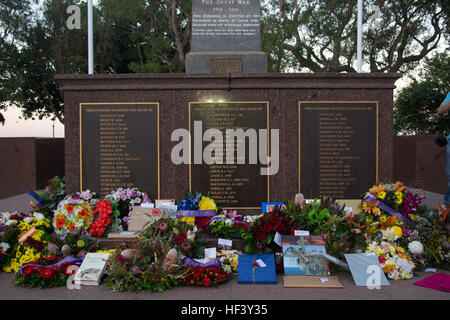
{"points": [[226, 37], [294, 106]]}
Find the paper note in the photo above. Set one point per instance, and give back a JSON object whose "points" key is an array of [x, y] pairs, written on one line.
{"points": [[210, 253], [225, 243], [261, 263], [301, 233], [147, 205], [323, 280], [277, 239]]}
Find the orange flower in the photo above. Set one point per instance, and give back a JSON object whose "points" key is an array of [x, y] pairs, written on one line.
{"points": [[69, 208], [399, 186], [72, 227], [388, 268], [388, 223], [376, 189], [83, 213], [444, 211], [60, 223]]}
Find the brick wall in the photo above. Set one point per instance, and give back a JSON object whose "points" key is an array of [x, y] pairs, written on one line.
{"points": [[27, 163], [420, 163]]}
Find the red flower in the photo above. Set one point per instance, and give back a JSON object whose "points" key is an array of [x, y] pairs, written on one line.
{"points": [[382, 260], [50, 259], [46, 273], [27, 271], [206, 281], [261, 235], [196, 276], [267, 227], [279, 227], [275, 220]]}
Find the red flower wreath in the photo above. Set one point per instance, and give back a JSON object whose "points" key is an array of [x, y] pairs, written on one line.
{"points": [[102, 211]]}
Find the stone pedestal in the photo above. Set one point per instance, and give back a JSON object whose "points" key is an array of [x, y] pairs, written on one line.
{"points": [[226, 61]]}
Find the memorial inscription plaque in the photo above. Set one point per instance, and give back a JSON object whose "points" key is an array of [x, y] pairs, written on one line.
{"points": [[231, 25], [338, 148], [236, 185], [119, 146]]}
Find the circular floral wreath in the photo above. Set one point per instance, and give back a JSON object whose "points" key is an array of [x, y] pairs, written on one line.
{"points": [[73, 217]]}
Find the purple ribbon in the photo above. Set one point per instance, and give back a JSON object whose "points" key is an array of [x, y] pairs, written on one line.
{"points": [[67, 260], [194, 263], [387, 209], [197, 213]]}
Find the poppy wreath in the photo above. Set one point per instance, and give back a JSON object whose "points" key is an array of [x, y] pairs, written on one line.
{"points": [[43, 273], [206, 276]]}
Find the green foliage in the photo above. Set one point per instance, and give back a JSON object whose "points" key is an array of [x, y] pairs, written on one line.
{"points": [[415, 109], [53, 194], [320, 36]]}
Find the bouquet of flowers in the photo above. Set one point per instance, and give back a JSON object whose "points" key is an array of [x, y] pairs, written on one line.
{"points": [[73, 215], [34, 234], [45, 273], [206, 276], [229, 259], [222, 226], [105, 218], [397, 265], [125, 199], [149, 272], [197, 201], [54, 192], [259, 234], [9, 233], [426, 238], [179, 234]]}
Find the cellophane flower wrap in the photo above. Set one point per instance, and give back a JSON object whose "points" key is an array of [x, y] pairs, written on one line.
{"points": [[396, 263], [73, 214], [229, 259]]}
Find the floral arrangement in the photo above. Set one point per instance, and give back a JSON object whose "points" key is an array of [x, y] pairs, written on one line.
{"points": [[229, 259], [43, 273], [31, 247], [426, 238], [9, 233], [259, 234], [126, 199], [74, 244], [179, 234], [149, 272], [105, 214], [54, 192], [221, 226], [396, 263], [206, 276], [197, 201], [73, 215]]}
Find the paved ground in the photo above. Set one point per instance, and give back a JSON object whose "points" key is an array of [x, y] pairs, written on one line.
{"points": [[230, 291]]}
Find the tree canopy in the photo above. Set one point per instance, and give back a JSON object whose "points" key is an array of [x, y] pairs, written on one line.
{"points": [[415, 109], [155, 36]]}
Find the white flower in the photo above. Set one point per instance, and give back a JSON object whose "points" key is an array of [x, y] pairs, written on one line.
{"points": [[28, 220], [39, 216], [10, 222], [415, 247], [4, 246]]}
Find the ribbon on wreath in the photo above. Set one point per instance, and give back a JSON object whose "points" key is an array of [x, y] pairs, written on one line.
{"points": [[66, 260], [39, 199], [197, 213], [386, 208], [26, 234]]}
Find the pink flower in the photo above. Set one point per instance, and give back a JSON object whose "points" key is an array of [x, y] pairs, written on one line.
{"points": [[382, 260]]}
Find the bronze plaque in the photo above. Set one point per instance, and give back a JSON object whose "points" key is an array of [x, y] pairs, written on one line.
{"points": [[225, 65], [338, 148], [236, 184], [119, 146]]}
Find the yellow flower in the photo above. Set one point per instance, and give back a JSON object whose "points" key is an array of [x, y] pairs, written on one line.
{"points": [[382, 195], [207, 204], [397, 231], [188, 220]]}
